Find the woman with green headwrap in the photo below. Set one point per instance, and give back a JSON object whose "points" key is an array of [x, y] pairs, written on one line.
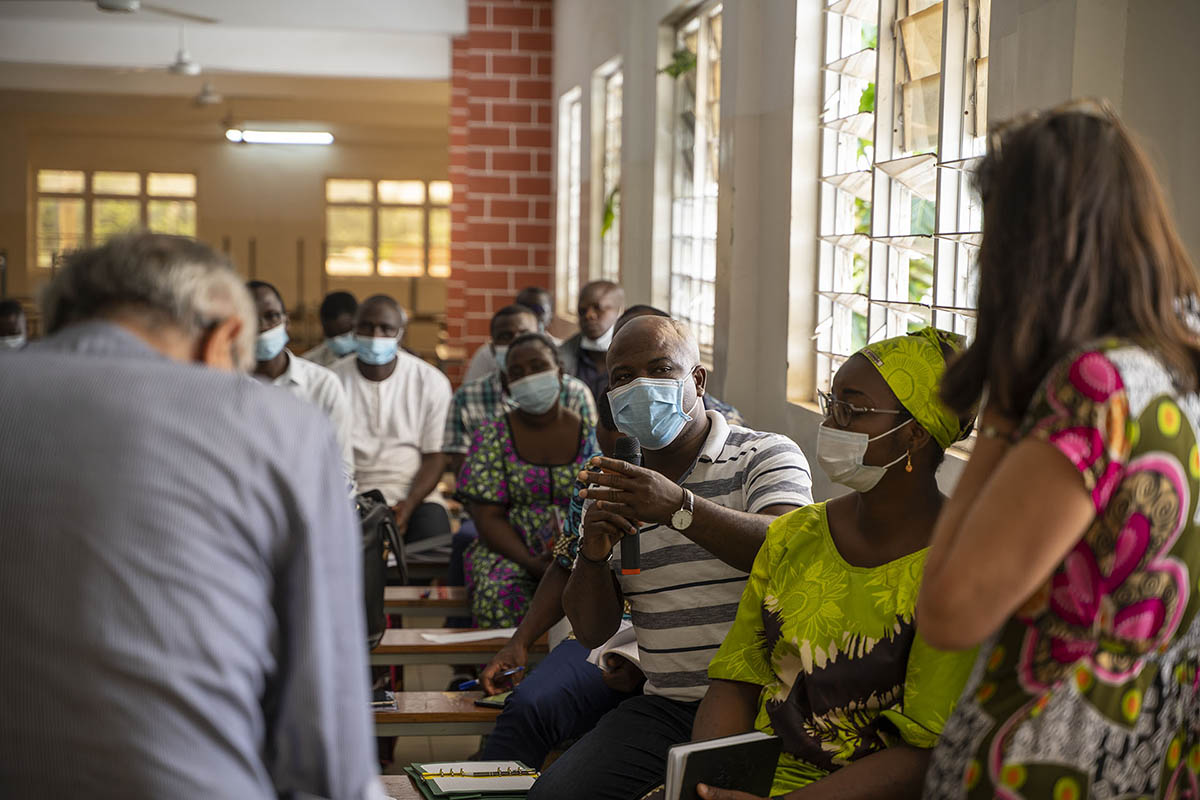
{"points": [[824, 652]]}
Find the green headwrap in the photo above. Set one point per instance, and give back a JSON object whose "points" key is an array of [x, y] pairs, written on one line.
{"points": [[913, 365]]}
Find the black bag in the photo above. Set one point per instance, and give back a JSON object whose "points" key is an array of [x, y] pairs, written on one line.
{"points": [[379, 535]]}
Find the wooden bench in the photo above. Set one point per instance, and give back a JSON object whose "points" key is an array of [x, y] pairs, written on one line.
{"points": [[436, 714], [407, 646], [426, 601]]}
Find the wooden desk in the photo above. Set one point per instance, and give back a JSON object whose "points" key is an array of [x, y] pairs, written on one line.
{"points": [[426, 601], [400, 787], [436, 714], [407, 646]]}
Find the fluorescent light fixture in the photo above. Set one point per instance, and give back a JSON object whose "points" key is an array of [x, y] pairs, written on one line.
{"points": [[279, 137]]}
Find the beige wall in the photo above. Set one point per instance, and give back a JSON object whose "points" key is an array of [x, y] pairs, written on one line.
{"points": [[1043, 52], [273, 195]]}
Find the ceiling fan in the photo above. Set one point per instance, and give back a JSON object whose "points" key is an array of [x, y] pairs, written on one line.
{"points": [[133, 6]]}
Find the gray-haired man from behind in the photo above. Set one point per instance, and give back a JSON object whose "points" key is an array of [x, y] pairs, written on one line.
{"points": [[181, 581]]}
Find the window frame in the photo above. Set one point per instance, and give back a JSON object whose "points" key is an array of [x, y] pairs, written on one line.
{"points": [[568, 202], [893, 178], [701, 237], [607, 155], [375, 206], [89, 196]]}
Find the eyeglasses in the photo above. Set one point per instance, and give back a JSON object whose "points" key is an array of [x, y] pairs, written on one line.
{"points": [[842, 412]]}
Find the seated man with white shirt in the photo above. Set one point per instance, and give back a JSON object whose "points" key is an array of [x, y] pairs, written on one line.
{"points": [[703, 499], [398, 406], [337, 314], [277, 365]]}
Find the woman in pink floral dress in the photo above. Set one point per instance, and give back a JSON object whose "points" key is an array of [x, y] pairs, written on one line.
{"points": [[1070, 548]]}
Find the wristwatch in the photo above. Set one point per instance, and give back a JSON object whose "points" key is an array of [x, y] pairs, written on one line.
{"points": [[682, 518]]}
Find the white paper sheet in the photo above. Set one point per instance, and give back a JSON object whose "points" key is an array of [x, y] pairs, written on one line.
{"points": [[469, 636]]}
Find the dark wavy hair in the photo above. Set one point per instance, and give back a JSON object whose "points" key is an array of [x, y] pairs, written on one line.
{"points": [[1078, 245]]}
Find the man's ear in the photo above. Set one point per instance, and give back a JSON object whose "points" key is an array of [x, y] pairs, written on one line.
{"points": [[700, 376], [218, 345]]}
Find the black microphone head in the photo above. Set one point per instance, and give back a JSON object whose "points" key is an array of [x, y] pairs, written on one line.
{"points": [[628, 448]]}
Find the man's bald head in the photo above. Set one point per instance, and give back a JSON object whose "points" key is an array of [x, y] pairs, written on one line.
{"points": [[663, 335]]}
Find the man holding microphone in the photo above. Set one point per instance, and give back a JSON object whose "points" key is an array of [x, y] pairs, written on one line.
{"points": [[700, 505]]}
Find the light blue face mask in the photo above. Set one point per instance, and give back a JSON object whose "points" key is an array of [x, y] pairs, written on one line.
{"points": [[14, 342], [376, 351], [270, 342], [342, 345], [500, 351], [650, 410], [536, 393]]}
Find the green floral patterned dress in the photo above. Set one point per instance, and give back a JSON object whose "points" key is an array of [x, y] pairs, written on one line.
{"points": [[1090, 689], [494, 473], [843, 670]]}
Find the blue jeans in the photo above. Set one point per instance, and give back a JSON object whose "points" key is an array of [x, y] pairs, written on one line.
{"points": [[563, 698], [625, 755]]}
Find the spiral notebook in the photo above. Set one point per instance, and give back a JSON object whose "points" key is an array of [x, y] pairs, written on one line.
{"points": [[454, 779]]}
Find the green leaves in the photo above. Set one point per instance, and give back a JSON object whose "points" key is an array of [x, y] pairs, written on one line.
{"points": [[610, 210], [682, 62], [866, 101]]}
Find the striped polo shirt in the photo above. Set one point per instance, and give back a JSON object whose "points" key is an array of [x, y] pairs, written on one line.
{"points": [[685, 599]]}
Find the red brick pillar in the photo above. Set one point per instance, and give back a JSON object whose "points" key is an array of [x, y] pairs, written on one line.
{"points": [[500, 151]]}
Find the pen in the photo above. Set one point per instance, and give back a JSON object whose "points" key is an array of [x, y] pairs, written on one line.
{"points": [[471, 684]]}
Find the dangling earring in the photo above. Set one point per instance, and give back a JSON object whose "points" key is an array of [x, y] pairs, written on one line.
{"points": [[908, 466]]}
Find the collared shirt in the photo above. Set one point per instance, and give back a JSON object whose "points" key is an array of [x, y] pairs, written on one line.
{"points": [[478, 401], [181, 583], [685, 599], [578, 362], [323, 355], [394, 422], [318, 385]]}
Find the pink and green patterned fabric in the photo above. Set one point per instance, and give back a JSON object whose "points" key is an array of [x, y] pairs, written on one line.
{"points": [[1090, 690], [494, 473]]}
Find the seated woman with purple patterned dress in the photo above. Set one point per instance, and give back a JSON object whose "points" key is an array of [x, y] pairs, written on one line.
{"points": [[517, 482]]}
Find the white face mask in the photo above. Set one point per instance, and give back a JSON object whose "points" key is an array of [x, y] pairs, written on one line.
{"points": [[840, 453], [598, 345], [15, 342]]}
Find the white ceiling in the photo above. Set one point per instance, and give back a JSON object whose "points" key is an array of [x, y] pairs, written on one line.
{"points": [[405, 39]]}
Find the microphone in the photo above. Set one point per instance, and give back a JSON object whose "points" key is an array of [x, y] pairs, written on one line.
{"points": [[628, 449]]}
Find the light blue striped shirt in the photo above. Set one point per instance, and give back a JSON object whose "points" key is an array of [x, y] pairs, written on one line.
{"points": [[180, 589]]}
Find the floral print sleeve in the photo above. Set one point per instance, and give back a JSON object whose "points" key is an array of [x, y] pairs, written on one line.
{"points": [[932, 683], [483, 478], [1083, 411], [743, 655]]}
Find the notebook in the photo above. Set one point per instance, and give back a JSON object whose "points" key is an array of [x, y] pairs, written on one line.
{"points": [[623, 643], [473, 778], [495, 701], [745, 762]]}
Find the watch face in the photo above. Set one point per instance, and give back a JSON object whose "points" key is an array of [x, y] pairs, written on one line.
{"points": [[681, 519]]}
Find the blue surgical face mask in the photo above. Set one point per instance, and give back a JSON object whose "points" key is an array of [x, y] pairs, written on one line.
{"points": [[501, 353], [270, 342], [536, 393], [376, 351], [342, 345], [15, 342], [650, 410]]}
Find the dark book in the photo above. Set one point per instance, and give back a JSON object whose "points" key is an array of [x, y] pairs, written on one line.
{"points": [[745, 762], [495, 701]]}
